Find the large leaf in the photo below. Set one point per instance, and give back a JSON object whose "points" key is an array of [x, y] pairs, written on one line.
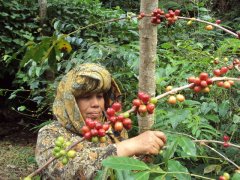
{"points": [[211, 168], [37, 52], [177, 116], [124, 163], [124, 174], [187, 145], [176, 166]]}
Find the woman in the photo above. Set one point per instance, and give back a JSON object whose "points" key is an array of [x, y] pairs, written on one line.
{"points": [[85, 92]]}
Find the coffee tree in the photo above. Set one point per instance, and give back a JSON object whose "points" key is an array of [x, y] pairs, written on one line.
{"points": [[181, 148]]}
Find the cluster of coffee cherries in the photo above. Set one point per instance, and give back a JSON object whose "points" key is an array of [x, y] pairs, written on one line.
{"points": [[94, 130], [59, 151], [172, 16], [156, 16], [174, 99], [201, 83], [225, 176], [226, 141], [118, 120], [144, 104]]}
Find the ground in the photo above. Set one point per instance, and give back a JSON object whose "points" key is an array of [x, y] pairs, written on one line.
{"points": [[17, 142]]}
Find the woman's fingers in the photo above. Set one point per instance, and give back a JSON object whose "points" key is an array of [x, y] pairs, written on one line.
{"points": [[161, 135]]}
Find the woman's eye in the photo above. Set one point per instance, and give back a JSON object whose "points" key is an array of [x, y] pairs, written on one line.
{"points": [[100, 95]]}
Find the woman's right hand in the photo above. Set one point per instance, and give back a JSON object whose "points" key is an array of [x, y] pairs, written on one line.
{"points": [[149, 142]]}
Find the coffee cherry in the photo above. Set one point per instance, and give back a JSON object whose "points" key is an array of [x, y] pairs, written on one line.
{"points": [[197, 89], [231, 82], [91, 124], [110, 112], [206, 90], [223, 70], [218, 21], [142, 108], [172, 100], [180, 97], [226, 85], [62, 152], [140, 95], [209, 81], [189, 23], [113, 119], [127, 122], [221, 178], [85, 129], [60, 139], [191, 79], [101, 132], [117, 106], [145, 98], [98, 126], [105, 126], [203, 76], [226, 144], [209, 27], [27, 178], [137, 102], [217, 72], [197, 81], [204, 83], [220, 83], [58, 143], [71, 153], [177, 12], [118, 126], [102, 139], [168, 88], [64, 160], [226, 175], [94, 132], [126, 115], [226, 138], [88, 135], [120, 117], [95, 139], [153, 100], [150, 107]]}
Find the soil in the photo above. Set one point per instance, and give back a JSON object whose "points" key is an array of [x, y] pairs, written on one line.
{"points": [[17, 142]]}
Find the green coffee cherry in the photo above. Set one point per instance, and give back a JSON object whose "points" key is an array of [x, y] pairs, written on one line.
{"points": [[65, 160], [63, 152], [71, 153], [126, 115], [27, 178]]}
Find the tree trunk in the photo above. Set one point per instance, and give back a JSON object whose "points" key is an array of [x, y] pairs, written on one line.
{"points": [[42, 10], [148, 44]]}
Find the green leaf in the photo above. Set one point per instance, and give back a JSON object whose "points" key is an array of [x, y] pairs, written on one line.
{"points": [[124, 163], [142, 175], [223, 108], [236, 119], [187, 145], [176, 166], [211, 168], [177, 116], [212, 117], [168, 153], [21, 108], [52, 61], [236, 176], [124, 174]]}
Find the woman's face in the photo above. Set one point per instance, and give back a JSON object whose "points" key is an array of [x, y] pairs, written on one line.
{"points": [[91, 105]]}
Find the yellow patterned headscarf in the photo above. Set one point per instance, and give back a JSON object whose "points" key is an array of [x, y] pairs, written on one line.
{"points": [[83, 79]]}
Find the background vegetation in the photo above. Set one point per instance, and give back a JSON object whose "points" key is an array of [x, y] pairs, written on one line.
{"points": [[28, 81]]}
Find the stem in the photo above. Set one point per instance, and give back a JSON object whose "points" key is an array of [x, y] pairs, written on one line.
{"points": [[52, 159], [218, 142], [213, 24], [101, 22], [224, 157], [175, 90]]}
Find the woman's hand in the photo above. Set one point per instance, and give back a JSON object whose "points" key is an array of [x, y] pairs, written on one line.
{"points": [[149, 142]]}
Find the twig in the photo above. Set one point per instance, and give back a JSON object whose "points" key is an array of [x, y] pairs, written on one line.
{"points": [[213, 24], [218, 142], [52, 159], [224, 157]]}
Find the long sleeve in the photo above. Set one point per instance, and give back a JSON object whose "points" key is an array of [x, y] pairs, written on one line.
{"points": [[86, 163]]}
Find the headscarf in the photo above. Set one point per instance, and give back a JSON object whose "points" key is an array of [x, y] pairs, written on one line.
{"points": [[83, 79]]}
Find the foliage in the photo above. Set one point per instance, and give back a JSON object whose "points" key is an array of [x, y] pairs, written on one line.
{"points": [[182, 51]]}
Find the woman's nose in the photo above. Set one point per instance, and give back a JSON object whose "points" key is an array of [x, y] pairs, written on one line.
{"points": [[94, 102]]}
